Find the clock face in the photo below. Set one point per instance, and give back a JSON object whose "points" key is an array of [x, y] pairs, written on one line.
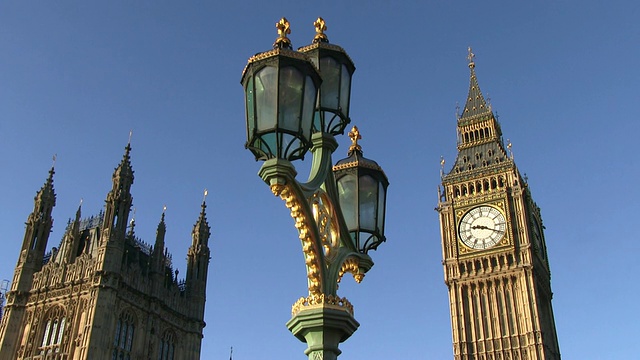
{"points": [[482, 227]]}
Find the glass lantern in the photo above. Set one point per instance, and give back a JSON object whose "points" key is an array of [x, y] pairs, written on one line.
{"points": [[281, 88], [362, 190], [336, 69]]}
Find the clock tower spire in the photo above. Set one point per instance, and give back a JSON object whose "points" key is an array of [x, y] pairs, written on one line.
{"points": [[493, 246]]}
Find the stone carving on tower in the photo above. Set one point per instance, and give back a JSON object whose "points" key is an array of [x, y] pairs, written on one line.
{"points": [[494, 253], [103, 293]]}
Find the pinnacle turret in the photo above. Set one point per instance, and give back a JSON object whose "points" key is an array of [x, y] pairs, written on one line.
{"points": [[198, 258], [119, 199], [46, 196], [201, 229], [475, 105], [158, 249], [38, 228], [124, 171], [479, 135]]}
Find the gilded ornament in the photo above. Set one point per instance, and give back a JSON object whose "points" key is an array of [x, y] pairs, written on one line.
{"points": [[321, 27], [308, 246], [351, 265], [321, 300]]}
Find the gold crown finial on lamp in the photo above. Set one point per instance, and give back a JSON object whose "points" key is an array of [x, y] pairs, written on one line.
{"points": [[283, 30], [321, 27], [354, 135]]}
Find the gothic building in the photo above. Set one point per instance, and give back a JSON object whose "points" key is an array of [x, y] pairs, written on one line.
{"points": [[103, 293], [493, 246]]}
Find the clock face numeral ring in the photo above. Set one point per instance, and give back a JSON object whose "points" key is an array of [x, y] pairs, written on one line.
{"points": [[482, 227]]}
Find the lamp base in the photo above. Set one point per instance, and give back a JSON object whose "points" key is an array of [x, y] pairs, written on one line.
{"points": [[322, 327]]}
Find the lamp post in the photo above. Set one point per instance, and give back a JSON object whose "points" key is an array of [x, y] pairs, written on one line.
{"points": [[297, 101]]}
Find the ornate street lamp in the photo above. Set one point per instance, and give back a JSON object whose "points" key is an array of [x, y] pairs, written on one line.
{"points": [[339, 212]]}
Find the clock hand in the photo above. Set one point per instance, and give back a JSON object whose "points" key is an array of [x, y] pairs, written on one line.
{"points": [[482, 227]]}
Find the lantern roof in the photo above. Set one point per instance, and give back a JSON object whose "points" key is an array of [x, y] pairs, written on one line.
{"points": [[281, 48], [321, 41], [355, 158]]}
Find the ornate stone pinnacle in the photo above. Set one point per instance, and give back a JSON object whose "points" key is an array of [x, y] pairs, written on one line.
{"points": [[354, 134], [283, 42], [321, 27]]}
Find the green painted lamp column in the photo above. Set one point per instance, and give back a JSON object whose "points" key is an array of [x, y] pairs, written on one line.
{"points": [[322, 327], [292, 109]]}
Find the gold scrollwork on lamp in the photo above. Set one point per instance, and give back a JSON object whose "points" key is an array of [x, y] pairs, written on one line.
{"points": [[309, 249], [327, 222], [321, 300], [351, 265]]}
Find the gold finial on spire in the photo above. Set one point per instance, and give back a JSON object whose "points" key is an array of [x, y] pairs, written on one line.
{"points": [[470, 57], [354, 135], [130, 134], [283, 30], [205, 195], [164, 209], [321, 27], [441, 169], [509, 146]]}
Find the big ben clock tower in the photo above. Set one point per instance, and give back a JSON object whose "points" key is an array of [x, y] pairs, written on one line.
{"points": [[493, 247]]}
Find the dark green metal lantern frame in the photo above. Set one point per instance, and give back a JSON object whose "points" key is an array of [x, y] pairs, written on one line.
{"points": [[281, 87], [362, 191], [336, 69]]}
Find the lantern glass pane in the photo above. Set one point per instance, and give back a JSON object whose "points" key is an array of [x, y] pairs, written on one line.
{"points": [[348, 200], [268, 143], [368, 198], [250, 107], [308, 108], [345, 87], [266, 88], [330, 88], [290, 98], [381, 207]]}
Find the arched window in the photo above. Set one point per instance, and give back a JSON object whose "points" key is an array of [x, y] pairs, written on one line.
{"points": [[167, 346], [52, 336], [123, 339]]}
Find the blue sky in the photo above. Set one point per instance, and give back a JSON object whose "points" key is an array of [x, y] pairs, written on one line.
{"points": [[76, 77]]}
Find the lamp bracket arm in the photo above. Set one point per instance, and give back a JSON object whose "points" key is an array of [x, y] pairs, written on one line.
{"points": [[355, 263], [280, 176], [322, 147], [321, 175]]}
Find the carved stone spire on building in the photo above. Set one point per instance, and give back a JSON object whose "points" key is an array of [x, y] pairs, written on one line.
{"points": [[40, 222], [198, 258], [119, 199], [158, 255], [69, 249]]}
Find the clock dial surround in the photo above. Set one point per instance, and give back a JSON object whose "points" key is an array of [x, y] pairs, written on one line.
{"points": [[482, 227]]}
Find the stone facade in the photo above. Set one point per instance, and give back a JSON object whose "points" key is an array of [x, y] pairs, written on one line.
{"points": [[494, 251], [103, 293]]}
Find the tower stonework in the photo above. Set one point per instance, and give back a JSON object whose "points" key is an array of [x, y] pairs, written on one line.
{"points": [[493, 246], [103, 293]]}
